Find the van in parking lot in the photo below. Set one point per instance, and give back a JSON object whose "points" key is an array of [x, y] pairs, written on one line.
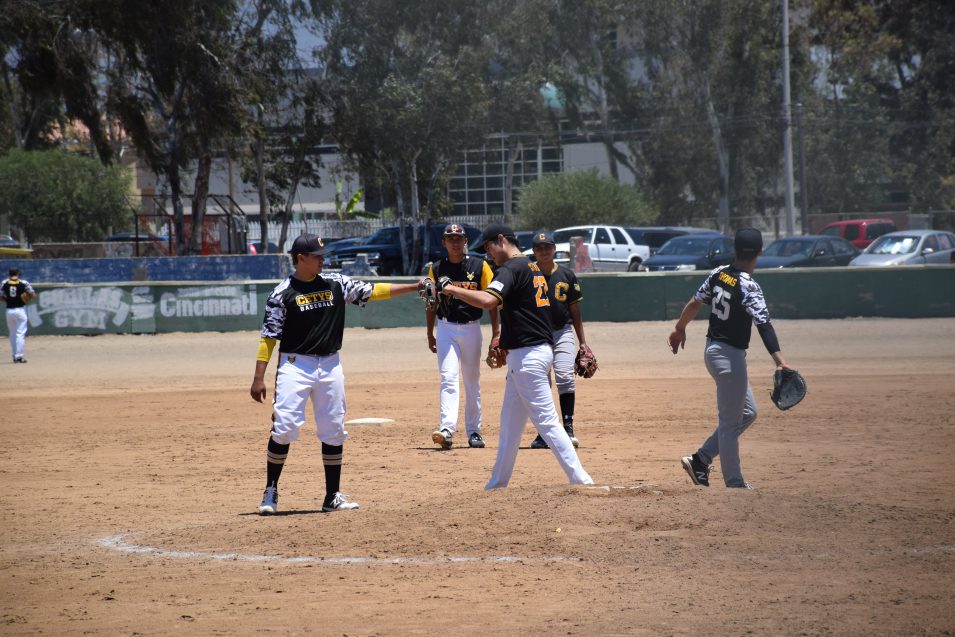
{"points": [[860, 232]]}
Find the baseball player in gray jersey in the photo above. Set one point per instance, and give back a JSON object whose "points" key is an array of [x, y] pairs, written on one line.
{"points": [[305, 315], [737, 302], [564, 294], [17, 293], [520, 290]]}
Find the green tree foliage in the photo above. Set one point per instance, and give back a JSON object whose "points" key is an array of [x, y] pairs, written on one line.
{"points": [[581, 197], [885, 117], [58, 196]]}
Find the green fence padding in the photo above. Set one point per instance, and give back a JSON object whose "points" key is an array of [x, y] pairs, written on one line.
{"points": [[101, 308]]}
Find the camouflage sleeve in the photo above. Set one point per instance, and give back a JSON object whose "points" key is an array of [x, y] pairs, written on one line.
{"points": [[355, 291], [705, 294], [753, 301], [274, 319]]}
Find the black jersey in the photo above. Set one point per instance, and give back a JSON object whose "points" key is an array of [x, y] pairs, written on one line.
{"points": [[563, 290], [308, 317], [525, 309], [472, 273], [12, 291], [737, 302]]}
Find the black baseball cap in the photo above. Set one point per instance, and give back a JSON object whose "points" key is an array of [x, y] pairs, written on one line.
{"points": [[542, 237], [748, 242], [491, 233], [454, 230], [307, 244]]}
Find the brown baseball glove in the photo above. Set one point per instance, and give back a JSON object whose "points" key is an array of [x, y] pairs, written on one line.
{"points": [[496, 357], [585, 364]]}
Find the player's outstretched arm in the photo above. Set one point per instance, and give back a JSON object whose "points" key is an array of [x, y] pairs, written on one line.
{"points": [[475, 298], [382, 291], [677, 338]]}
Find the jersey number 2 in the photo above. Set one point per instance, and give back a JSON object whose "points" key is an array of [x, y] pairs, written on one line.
{"points": [[721, 304], [540, 287]]}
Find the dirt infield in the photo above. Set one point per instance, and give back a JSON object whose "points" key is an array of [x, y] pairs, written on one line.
{"points": [[135, 464]]}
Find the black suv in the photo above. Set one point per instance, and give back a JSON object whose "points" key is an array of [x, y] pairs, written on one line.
{"points": [[383, 250]]}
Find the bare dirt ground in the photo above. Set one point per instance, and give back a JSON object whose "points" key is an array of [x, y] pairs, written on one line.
{"points": [[134, 465]]}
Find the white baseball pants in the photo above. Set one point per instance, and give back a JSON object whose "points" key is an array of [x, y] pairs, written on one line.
{"points": [[17, 328], [459, 356], [527, 394], [299, 378]]}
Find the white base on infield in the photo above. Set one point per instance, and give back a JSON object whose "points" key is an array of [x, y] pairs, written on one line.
{"points": [[370, 422]]}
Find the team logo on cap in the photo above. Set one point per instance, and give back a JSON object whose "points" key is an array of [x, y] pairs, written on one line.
{"points": [[541, 237]]}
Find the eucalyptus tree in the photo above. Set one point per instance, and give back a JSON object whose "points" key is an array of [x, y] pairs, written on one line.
{"points": [[715, 141], [886, 117], [405, 86]]}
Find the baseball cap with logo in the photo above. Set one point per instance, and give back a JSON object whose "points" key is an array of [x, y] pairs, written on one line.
{"points": [[748, 242], [491, 233], [307, 244], [542, 237], [454, 230]]}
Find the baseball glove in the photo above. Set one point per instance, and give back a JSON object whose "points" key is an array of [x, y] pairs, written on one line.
{"points": [[585, 364], [789, 387], [428, 291], [496, 357]]}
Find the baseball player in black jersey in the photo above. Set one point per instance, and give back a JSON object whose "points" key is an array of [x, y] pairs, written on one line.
{"points": [[520, 289], [564, 294], [458, 344], [17, 293], [737, 302], [305, 315]]}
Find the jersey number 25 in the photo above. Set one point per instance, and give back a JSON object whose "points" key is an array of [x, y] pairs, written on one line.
{"points": [[721, 304]]}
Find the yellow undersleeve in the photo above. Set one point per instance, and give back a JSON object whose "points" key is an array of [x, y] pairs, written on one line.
{"points": [[266, 345]]}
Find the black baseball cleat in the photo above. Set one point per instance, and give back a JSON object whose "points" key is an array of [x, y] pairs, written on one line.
{"points": [[569, 428], [338, 502], [699, 473], [19, 359], [475, 441], [442, 438], [538, 443]]}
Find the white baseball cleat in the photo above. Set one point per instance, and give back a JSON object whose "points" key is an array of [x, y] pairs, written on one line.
{"points": [[270, 501], [339, 503]]}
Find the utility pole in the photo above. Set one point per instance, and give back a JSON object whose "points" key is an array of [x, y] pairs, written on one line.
{"points": [[803, 193], [787, 125]]}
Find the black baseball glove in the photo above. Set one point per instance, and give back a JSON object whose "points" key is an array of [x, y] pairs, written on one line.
{"points": [[789, 387]]}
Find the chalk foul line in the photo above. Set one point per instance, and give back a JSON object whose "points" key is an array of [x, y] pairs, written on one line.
{"points": [[119, 543]]}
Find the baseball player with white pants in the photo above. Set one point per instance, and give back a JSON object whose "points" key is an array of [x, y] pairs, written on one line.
{"points": [[458, 344], [564, 294], [305, 315], [520, 290], [737, 302], [17, 293]]}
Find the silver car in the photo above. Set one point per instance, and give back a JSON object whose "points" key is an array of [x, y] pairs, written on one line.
{"points": [[908, 247]]}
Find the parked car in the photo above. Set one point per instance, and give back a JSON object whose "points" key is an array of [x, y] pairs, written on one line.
{"points": [[697, 251], [860, 232], [383, 250], [347, 242], [810, 251], [133, 237], [655, 236], [908, 247], [610, 248], [6, 241]]}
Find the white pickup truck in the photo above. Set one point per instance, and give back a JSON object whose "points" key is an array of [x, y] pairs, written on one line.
{"points": [[614, 248]]}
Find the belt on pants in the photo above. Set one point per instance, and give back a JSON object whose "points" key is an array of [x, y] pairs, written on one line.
{"points": [[459, 322]]}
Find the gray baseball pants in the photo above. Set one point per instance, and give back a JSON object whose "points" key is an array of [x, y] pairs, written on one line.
{"points": [[565, 352], [736, 405]]}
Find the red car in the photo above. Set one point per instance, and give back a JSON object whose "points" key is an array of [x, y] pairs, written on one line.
{"points": [[860, 232]]}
